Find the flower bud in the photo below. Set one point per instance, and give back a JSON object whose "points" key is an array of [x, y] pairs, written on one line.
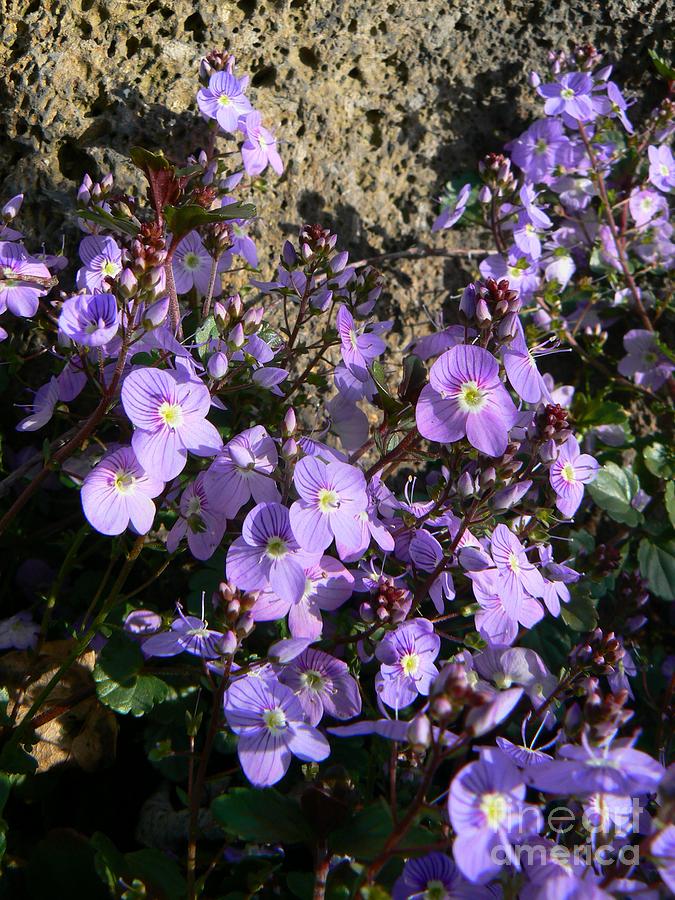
{"points": [[229, 643], [419, 733], [220, 313], [244, 624], [339, 261], [128, 283], [488, 477], [508, 327], [533, 80], [252, 319], [234, 307], [156, 313], [366, 613], [548, 452], [289, 424], [107, 183], [467, 305], [484, 194], [483, 316], [237, 336], [465, 485], [217, 365], [12, 207], [289, 449]]}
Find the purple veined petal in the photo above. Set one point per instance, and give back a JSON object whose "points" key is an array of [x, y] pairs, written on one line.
{"points": [[495, 625], [176, 535], [141, 511], [439, 419], [310, 476], [347, 531], [533, 580], [472, 850], [244, 566], [395, 690], [160, 452], [530, 611], [523, 375], [103, 509], [288, 649], [569, 502], [264, 757], [310, 528], [482, 719], [487, 431], [269, 607], [308, 744], [304, 619], [425, 551], [393, 729], [203, 438], [46, 398], [164, 644], [143, 392], [288, 579]]}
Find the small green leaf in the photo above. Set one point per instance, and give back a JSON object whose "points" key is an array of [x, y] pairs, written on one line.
{"points": [[137, 696], [261, 815], [121, 658], [657, 565], [100, 217], [662, 67], [182, 219], [364, 835], [613, 490], [149, 161], [660, 460], [670, 501], [580, 614], [207, 330], [389, 403]]}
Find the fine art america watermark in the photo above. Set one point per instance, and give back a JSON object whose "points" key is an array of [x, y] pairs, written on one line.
{"points": [[606, 817]]}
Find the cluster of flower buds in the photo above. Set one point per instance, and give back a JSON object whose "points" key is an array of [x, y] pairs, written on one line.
{"points": [[662, 120], [552, 428], [215, 61], [217, 237], [93, 192], [584, 58], [495, 170], [631, 594], [603, 713], [604, 560], [452, 692], [316, 241], [388, 604], [600, 653], [485, 304], [235, 607]]}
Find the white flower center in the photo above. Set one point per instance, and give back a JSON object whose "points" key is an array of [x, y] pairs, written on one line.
{"points": [[328, 500], [124, 482], [663, 169], [192, 262], [110, 268], [471, 397], [567, 93], [567, 473], [312, 680], [494, 807], [171, 414], [410, 663], [276, 548], [513, 563], [194, 506], [224, 100], [275, 720]]}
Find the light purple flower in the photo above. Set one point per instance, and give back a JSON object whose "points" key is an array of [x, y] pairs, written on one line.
{"points": [[200, 520], [663, 851], [645, 205], [426, 554], [571, 95], [452, 212], [435, 876], [618, 106], [517, 268], [142, 622], [170, 419], [20, 297], [322, 684], [522, 370], [568, 475], [102, 260], [644, 362], [242, 243], [243, 469], [42, 407], [91, 320], [331, 497], [260, 147], [518, 577], [224, 100], [267, 553], [537, 151], [189, 634], [466, 397], [19, 632], [497, 620], [119, 491], [327, 586], [359, 348], [556, 578], [661, 168], [407, 656], [192, 264], [488, 813], [271, 725]]}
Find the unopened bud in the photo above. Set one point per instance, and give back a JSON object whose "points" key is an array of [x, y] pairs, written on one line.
{"points": [[237, 336], [467, 305], [484, 194], [245, 624], [156, 313], [533, 80], [465, 485], [220, 313], [128, 283], [289, 424], [483, 316], [488, 477], [419, 733], [288, 254], [339, 261], [548, 452], [289, 449], [12, 207], [217, 365], [252, 319], [229, 643]]}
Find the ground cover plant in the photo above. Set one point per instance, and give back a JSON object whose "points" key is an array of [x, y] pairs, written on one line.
{"points": [[290, 614]]}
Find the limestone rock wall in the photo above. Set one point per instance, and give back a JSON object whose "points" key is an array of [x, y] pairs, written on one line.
{"points": [[377, 101]]}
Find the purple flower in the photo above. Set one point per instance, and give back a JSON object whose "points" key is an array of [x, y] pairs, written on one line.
{"points": [[102, 260], [327, 586], [19, 632], [224, 100], [322, 684], [453, 212], [270, 722], [42, 407], [645, 205], [488, 812], [169, 418], [243, 469], [426, 553], [435, 876], [537, 151], [556, 578], [498, 619], [119, 491], [331, 497], [568, 475], [466, 397], [644, 362], [522, 370], [260, 147], [663, 850], [618, 106], [243, 244], [661, 168], [571, 95], [407, 656], [20, 297], [359, 348], [517, 576], [91, 320], [518, 269], [192, 264], [200, 520], [267, 552], [189, 634], [142, 622]]}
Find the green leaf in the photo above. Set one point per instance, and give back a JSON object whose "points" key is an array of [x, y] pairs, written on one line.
{"points": [[100, 217], [389, 403], [121, 658], [660, 460], [670, 502], [158, 872], [265, 816], [149, 161], [657, 565], [207, 330], [364, 836], [662, 67], [182, 219], [414, 379], [613, 490], [580, 614], [137, 696]]}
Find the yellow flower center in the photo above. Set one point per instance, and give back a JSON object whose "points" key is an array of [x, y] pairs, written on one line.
{"points": [[410, 663], [191, 261], [276, 548], [224, 100], [514, 565], [471, 397], [312, 679], [124, 481], [171, 414], [328, 500], [567, 473], [275, 719], [567, 93], [110, 268], [494, 807]]}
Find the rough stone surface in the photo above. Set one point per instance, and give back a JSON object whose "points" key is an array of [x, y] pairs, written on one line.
{"points": [[378, 102]]}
